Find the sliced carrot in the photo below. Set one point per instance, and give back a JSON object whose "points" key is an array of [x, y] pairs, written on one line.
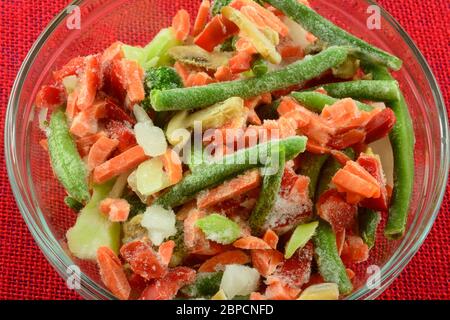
{"points": [[224, 258], [111, 53], [71, 105], [350, 273], [266, 261], [198, 79], [172, 166], [119, 164], [256, 296], [134, 80], [116, 209], [89, 82], [112, 273], [165, 251], [224, 73], [271, 20], [84, 144], [182, 71], [287, 105], [202, 17], [83, 124], [240, 62], [230, 189], [251, 243], [215, 32], [355, 168], [100, 151], [277, 290], [353, 181], [313, 147], [181, 25], [245, 45], [72, 68], [271, 238], [252, 14]]}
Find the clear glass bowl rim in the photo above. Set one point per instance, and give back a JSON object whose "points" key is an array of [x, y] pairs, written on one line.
{"points": [[89, 289]]}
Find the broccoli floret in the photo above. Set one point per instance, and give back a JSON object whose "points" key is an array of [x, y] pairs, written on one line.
{"points": [[160, 78], [206, 285]]}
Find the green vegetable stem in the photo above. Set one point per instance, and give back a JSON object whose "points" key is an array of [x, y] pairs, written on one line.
{"points": [[65, 159], [326, 31], [203, 96]]}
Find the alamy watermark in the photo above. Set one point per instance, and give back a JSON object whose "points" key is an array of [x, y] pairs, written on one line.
{"points": [[73, 21], [374, 20]]}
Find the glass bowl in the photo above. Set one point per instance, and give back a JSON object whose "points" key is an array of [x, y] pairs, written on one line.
{"points": [[40, 197]]}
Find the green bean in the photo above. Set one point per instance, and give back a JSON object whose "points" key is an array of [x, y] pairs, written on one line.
{"points": [[213, 173], [268, 196], [330, 264], [73, 204], [402, 141], [368, 222], [310, 166], [316, 101], [381, 90], [65, 159], [326, 31], [329, 169], [203, 96]]}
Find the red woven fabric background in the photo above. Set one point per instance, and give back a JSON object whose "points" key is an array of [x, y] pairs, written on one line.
{"points": [[25, 273]]}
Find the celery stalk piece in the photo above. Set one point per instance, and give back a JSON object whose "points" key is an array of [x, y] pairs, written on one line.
{"points": [[93, 229]]}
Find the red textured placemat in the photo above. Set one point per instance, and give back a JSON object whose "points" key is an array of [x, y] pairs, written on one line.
{"points": [[24, 272]]}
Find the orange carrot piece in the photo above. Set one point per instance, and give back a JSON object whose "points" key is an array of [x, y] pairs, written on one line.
{"points": [[172, 166], [350, 273], [277, 290], [165, 251], [256, 296], [340, 157], [198, 79], [313, 147], [354, 250], [89, 82], [84, 144], [355, 168], [112, 273], [111, 53], [116, 209], [253, 16], [73, 67], [244, 45], [271, 20], [251, 243], [230, 189], [253, 117], [134, 80], [182, 71], [202, 17], [224, 258], [83, 124], [224, 73], [266, 261], [181, 25], [240, 62], [100, 151], [271, 238], [287, 105], [119, 164]]}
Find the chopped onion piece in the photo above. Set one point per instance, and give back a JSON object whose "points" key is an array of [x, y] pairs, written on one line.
{"points": [[140, 114], [239, 280], [150, 177], [160, 223], [150, 138]]}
